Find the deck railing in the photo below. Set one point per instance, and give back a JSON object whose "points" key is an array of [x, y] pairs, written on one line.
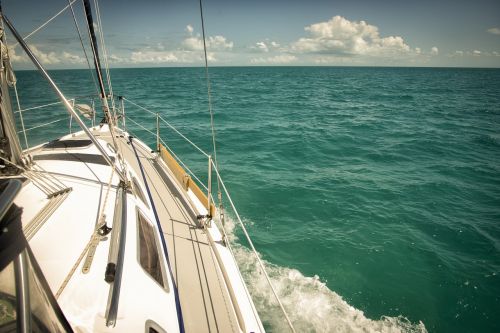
{"points": [[154, 126], [175, 163], [25, 117]]}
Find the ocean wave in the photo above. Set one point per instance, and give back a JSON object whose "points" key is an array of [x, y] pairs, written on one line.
{"points": [[310, 304]]}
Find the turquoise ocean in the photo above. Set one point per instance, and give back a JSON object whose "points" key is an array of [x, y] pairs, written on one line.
{"points": [[372, 194]]}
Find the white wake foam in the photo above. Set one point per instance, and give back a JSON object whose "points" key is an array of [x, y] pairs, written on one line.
{"points": [[312, 307]]}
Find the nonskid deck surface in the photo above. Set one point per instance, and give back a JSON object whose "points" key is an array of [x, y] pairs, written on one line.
{"points": [[205, 301]]}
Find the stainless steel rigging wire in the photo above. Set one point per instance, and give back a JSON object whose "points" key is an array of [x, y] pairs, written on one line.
{"points": [[289, 322]]}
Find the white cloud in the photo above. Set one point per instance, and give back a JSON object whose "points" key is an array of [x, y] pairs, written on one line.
{"points": [[340, 36], [189, 29], [332, 60], [213, 43], [474, 53], [14, 57], [116, 59], [494, 31], [68, 57], [279, 59], [153, 57], [266, 46], [261, 46], [434, 50], [159, 57], [49, 58]]}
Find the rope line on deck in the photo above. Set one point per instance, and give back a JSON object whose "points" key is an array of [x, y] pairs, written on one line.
{"points": [[162, 238]]}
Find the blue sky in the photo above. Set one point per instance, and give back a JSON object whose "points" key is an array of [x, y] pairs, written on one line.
{"points": [[153, 33]]}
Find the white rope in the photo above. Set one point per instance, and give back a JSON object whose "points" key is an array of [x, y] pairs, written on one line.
{"points": [[46, 22], [83, 46], [55, 180], [21, 116], [44, 184], [75, 266], [17, 97], [209, 91], [210, 108], [105, 53], [253, 248], [112, 118], [100, 223]]}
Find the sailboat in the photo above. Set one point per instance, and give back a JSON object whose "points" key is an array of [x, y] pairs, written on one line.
{"points": [[101, 233]]}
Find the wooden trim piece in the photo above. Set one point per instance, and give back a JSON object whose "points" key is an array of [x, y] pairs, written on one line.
{"points": [[184, 178]]}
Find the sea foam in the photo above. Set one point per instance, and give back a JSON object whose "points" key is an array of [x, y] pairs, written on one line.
{"points": [[310, 304]]}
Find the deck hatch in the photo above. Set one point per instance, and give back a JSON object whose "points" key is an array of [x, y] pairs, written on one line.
{"points": [[138, 191], [149, 257]]}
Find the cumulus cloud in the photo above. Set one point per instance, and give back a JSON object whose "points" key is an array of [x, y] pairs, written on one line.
{"points": [[72, 58], [113, 58], [14, 57], [266, 46], [494, 31], [49, 58], [213, 42], [340, 36], [187, 53], [434, 51], [473, 53], [261, 46], [159, 57], [152, 57], [279, 59]]}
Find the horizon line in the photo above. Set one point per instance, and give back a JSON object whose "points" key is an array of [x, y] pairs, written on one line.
{"points": [[273, 66]]}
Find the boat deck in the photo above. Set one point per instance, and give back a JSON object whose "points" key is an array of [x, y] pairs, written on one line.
{"points": [[205, 300]]}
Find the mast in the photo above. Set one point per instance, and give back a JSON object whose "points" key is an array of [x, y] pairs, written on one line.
{"points": [[10, 147], [97, 62]]}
